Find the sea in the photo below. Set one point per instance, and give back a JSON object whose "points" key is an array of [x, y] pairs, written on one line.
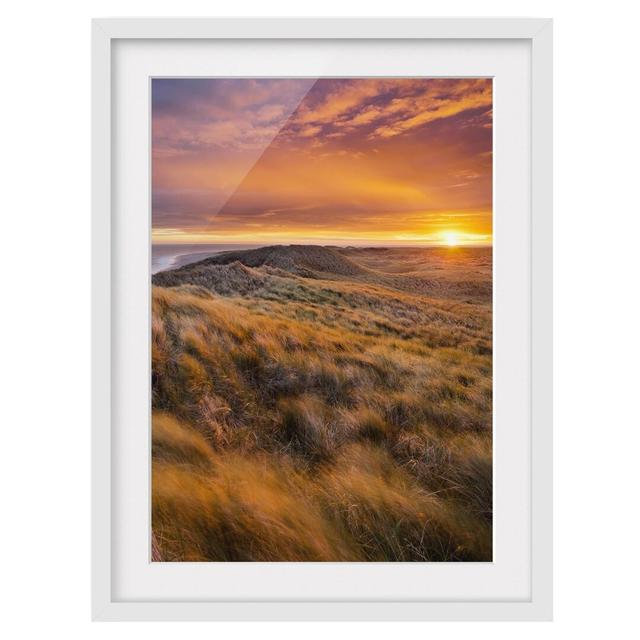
{"points": [[172, 256]]}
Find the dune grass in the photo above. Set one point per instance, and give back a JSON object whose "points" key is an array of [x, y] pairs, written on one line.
{"points": [[322, 416]]}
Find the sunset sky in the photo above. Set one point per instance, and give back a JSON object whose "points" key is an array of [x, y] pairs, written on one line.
{"points": [[329, 161]]}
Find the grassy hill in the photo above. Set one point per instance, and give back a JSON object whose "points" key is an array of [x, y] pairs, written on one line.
{"points": [[316, 403]]}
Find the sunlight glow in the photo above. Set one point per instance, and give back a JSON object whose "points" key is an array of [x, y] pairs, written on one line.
{"points": [[451, 238]]}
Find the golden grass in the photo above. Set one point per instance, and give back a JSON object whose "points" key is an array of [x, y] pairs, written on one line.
{"points": [[316, 418]]}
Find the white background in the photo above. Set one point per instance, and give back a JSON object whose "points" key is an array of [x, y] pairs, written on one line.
{"points": [[44, 319]]}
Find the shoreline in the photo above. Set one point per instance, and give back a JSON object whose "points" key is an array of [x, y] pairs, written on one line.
{"points": [[167, 263]]}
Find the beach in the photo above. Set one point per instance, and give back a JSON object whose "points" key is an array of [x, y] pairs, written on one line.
{"points": [[173, 256]]}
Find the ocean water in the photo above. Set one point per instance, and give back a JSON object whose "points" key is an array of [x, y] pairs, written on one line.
{"points": [[172, 256]]}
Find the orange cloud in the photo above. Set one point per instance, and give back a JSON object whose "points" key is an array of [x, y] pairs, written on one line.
{"points": [[334, 158]]}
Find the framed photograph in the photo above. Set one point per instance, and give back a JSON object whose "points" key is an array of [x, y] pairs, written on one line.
{"points": [[322, 319]]}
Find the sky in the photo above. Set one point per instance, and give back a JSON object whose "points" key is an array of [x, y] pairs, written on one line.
{"points": [[323, 161]]}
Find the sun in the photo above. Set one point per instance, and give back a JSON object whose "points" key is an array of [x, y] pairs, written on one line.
{"points": [[451, 238]]}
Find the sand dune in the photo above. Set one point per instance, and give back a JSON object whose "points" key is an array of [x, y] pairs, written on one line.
{"points": [[318, 403]]}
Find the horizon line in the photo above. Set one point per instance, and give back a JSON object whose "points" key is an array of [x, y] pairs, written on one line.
{"points": [[359, 244]]}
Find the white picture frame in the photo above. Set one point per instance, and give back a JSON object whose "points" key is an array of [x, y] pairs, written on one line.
{"points": [[536, 34]]}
